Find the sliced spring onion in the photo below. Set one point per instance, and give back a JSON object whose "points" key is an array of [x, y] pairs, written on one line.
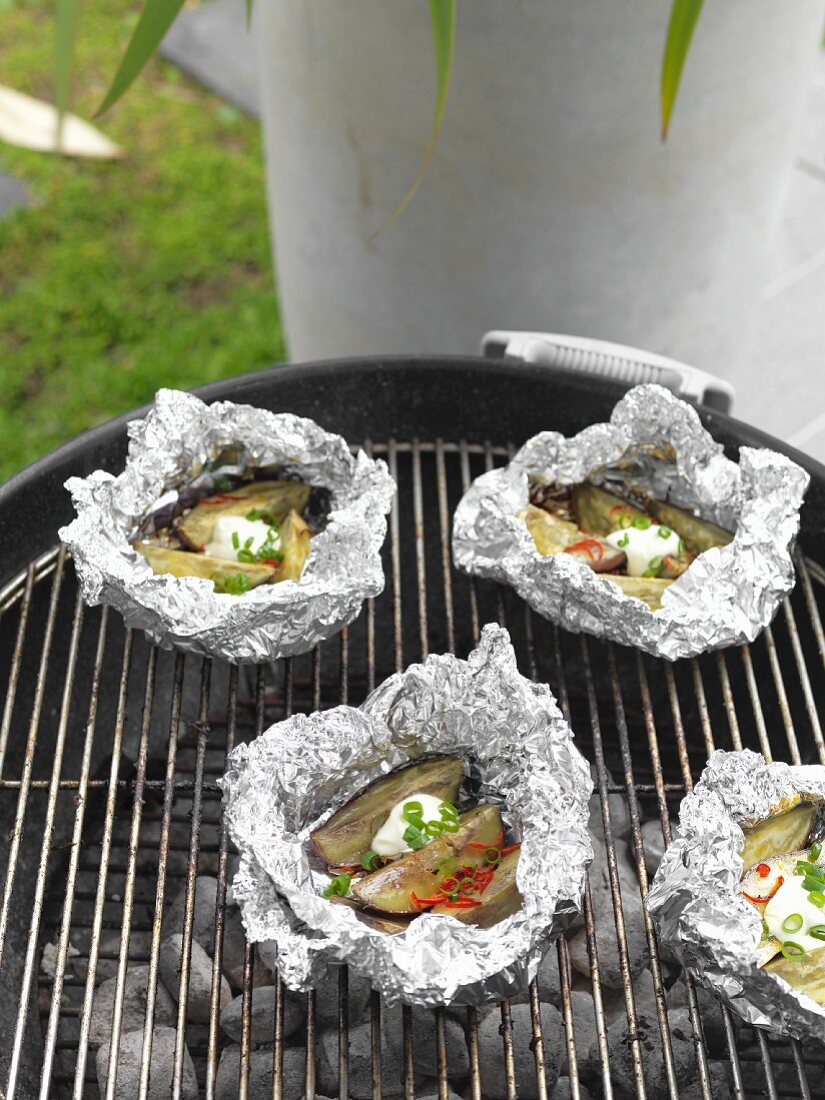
{"points": [[811, 882], [623, 541], [814, 851], [369, 860], [817, 898], [817, 931], [626, 519], [450, 826], [792, 923], [447, 809], [654, 566], [414, 808], [414, 837], [434, 828], [642, 522], [236, 542], [664, 532], [492, 855], [792, 950]]}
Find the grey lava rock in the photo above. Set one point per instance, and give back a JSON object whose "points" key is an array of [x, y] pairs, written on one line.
{"points": [[425, 1046], [327, 1000], [262, 1015], [163, 1061], [548, 979], [654, 843], [621, 1058], [563, 1090], [261, 1074], [584, 1028], [234, 950], [360, 1060], [134, 1006], [491, 1051], [200, 978], [604, 916], [203, 921], [428, 1090], [617, 805]]}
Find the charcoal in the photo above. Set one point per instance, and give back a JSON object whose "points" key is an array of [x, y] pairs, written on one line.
{"points": [[425, 1050], [203, 922], [621, 1058], [720, 1088], [234, 950], [428, 1090], [262, 1015], [200, 978], [549, 982], [563, 1090], [134, 1006], [261, 1074], [327, 998], [491, 1051], [584, 1027], [604, 917], [710, 1013], [654, 843], [360, 1060], [617, 805], [162, 1067]]}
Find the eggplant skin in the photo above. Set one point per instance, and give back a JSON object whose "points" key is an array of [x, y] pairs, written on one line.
{"points": [[647, 589], [553, 535], [697, 534], [787, 830], [598, 511], [183, 563], [807, 973], [345, 836], [277, 497], [392, 926], [390, 889], [499, 900], [295, 538]]}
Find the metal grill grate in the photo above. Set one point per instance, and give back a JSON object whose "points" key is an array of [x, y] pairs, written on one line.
{"points": [[110, 751]]}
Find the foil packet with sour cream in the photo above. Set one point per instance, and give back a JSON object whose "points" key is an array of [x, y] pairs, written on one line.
{"points": [[639, 530], [739, 897], [150, 541], [518, 755]]}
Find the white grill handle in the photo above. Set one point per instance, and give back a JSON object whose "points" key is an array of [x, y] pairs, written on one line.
{"points": [[625, 364]]}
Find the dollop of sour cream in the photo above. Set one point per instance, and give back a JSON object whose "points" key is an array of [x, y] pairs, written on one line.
{"points": [[644, 545], [223, 545], [792, 898], [389, 840]]}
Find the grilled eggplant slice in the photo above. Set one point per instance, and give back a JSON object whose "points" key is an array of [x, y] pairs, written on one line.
{"points": [[787, 830], [392, 926], [278, 498], [182, 563], [295, 538], [807, 973], [499, 900], [647, 589], [393, 889], [553, 535], [599, 512], [344, 838], [697, 534]]}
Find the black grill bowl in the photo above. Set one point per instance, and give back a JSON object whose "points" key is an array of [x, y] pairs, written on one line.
{"points": [[110, 751]]}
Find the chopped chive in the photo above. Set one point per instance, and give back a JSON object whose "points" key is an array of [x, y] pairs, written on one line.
{"points": [[664, 532], [450, 826], [792, 950], [433, 828], [814, 851], [447, 809], [642, 522], [413, 808], [811, 882], [792, 923], [765, 930], [236, 542], [817, 898], [817, 931]]}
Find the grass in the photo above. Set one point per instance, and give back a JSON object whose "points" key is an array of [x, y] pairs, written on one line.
{"points": [[124, 277]]}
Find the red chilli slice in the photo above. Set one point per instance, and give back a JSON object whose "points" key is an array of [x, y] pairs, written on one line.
{"points": [[422, 902], [510, 848], [763, 870], [463, 903], [590, 547]]}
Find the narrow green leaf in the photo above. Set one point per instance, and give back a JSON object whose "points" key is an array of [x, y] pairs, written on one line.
{"points": [[154, 21], [683, 17], [248, 14], [68, 17], [442, 19]]}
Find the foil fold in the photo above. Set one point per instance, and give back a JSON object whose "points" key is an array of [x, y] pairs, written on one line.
{"points": [[695, 901], [653, 442], [516, 746], [182, 443]]}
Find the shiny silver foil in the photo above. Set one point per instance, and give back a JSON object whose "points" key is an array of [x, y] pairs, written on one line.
{"points": [[176, 444], [695, 900], [514, 741], [656, 443]]}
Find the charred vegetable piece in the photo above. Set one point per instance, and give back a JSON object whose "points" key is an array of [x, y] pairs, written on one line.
{"points": [[647, 589], [785, 831], [392, 926], [345, 837], [394, 889], [599, 512], [553, 535], [698, 534], [552, 498], [807, 974], [276, 498], [295, 538], [499, 900], [182, 563]]}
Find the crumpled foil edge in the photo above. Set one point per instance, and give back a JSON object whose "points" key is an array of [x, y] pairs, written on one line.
{"points": [[726, 597], [168, 448], [521, 750], [695, 901]]}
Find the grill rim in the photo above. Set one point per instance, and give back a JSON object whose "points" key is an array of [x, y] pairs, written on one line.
{"points": [[38, 503]]}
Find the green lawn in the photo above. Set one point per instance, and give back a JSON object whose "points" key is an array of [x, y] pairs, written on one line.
{"points": [[123, 277]]}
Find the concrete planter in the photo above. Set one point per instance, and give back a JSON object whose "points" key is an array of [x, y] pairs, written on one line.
{"points": [[551, 203]]}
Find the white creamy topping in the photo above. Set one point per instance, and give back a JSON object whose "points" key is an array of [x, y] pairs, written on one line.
{"points": [[389, 840], [222, 544], [643, 545], [791, 898]]}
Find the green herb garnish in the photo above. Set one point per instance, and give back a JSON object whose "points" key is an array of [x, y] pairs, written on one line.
{"points": [[793, 950], [339, 887], [623, 541], [815, 851], [415, 838], [817, 898], [817, 931], [370, 860], [261, 513], [812, 882], [642, 522], [664, 532], [792, 923], [221, 483], [654, 567], [232, 584]]}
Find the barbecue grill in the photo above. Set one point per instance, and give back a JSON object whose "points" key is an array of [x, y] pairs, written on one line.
{"points": [[110, 750]]}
